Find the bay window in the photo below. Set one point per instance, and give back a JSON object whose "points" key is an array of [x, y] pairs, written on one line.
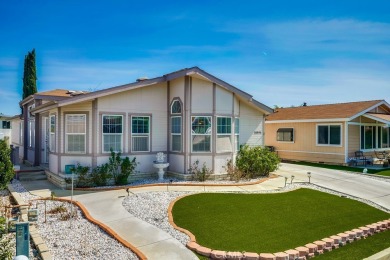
{"points": [[224, 132], [201, 133]]}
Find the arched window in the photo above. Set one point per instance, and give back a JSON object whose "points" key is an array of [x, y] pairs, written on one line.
{"points": [[176, 126], [176, 107]]}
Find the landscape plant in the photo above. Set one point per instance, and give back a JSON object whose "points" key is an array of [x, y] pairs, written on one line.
{"points": [[6, 241], [6, 166], [120, 169], [100, 176], [82, 172], [256, 161], [199, 174]]}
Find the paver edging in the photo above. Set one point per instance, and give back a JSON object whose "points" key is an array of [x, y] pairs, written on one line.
{"points": [[103, 226], [385, 225], [35, 237], [176, 184]]}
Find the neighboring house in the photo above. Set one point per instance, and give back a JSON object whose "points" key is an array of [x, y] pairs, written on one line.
{"points": [[329, 133], [5, 128], [189, 115]]}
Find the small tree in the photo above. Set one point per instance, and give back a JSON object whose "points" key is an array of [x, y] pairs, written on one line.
{"points": [[120, 169], [6, 167], [256, 161], [29, 75]]}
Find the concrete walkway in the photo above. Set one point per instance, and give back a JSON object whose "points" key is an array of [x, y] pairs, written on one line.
{"points": [[106, 206]]}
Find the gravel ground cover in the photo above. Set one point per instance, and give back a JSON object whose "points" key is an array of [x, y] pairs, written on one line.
{"points": [[72, 238], [152, 207]]}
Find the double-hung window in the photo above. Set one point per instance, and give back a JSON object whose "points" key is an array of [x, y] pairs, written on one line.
{"points": [[201, 133], [285, 135], [329, 134], [140, 131], [112, 133], [176, 126], [75, 133], [224, 134], [52, 138], [385, 142], [176, 133]]}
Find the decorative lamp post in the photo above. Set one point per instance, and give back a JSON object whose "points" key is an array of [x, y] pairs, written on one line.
{"points": [[292, 178], [309, 175]]}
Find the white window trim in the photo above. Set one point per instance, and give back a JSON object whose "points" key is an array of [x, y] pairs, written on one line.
{"points": [[291, 142], [331, 145], [139, 135], [103, 134], [176, 134], [52, 147], [67, 134], [210, 134]]}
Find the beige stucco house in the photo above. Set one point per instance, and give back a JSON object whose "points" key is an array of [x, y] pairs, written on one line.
{"points": [[329, 133], [189, 115]]}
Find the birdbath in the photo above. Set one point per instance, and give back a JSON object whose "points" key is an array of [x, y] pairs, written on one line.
{"points": [[160, 164]]}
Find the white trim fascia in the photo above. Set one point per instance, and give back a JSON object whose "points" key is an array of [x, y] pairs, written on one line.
{"points": [[376, 119], [368, 109], [290, 151], [340, 120], [110, 91], [368, 124]]}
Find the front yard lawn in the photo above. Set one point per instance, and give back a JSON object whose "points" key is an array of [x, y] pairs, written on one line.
{"points": [[269, 222]]}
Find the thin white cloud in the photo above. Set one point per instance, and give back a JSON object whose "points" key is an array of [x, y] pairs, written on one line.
{"points": [[316, 34]]}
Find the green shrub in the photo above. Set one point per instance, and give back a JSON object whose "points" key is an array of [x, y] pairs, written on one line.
{"points": [[83, 179], [201, 174], [100, 176], [120, 169], [6, 241], [233, 172], [6, 167], [256, 161]]}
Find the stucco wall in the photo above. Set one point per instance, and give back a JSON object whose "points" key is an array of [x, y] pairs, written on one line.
{"points": [[305, 146]]}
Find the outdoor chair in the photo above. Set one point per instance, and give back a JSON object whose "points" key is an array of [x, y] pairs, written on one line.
{"points": [[361, 158], [380, 157]]}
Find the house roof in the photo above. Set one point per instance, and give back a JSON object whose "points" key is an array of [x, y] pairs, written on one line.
{"points": [[167, 77], [345, 111], [52, 95], [384, 118]]}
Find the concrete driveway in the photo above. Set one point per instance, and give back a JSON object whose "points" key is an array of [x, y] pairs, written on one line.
{"points": [[358, 185]]}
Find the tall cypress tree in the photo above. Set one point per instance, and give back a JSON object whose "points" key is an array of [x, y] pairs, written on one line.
{"points": [[29, 75]]}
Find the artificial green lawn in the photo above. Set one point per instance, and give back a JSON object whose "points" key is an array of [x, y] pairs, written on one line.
{"points": [[269, 222], [360, 249]]}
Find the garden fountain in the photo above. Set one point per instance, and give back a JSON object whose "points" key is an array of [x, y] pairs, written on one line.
{"points": [[160, 164]]}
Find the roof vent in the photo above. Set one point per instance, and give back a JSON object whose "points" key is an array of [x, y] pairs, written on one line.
{"points": [[75, 92], [142, 79]]}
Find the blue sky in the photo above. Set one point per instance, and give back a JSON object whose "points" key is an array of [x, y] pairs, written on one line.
{"points": [[282, 52]]}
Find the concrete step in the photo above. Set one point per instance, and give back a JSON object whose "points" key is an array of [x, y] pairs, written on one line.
{"points": [[32, 176]]}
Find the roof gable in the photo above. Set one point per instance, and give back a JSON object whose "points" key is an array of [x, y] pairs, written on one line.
{"points": [[164, 78], [346, 111]]}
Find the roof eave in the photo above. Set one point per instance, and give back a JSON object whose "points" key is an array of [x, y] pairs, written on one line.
{"points": [[323, 120]]}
